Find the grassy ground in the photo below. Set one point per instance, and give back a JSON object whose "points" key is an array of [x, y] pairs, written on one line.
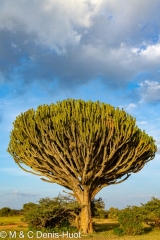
{"points": [[14, 220], [104, 230]]}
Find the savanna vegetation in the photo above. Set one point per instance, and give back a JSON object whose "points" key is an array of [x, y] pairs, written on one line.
{"points": [[7, 212], [60, 214]]}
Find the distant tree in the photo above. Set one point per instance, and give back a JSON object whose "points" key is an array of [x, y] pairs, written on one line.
{"points": [[28, 206], [98, 208], [113, 213], [5, 212], [83, 146], [15, 212]]}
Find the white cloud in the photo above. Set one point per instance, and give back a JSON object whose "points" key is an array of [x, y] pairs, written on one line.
{"points": [[59, 23], [149, 55], [152, 52], [142, 195], [158, 150], [142, 122], [149, 91], [93, 38], [16, 193], [53, 23], [131, 105]]}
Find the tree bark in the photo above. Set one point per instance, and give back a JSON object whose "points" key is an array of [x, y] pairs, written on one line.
{"points": [[77, 222], [86, 215], [77, 218]]}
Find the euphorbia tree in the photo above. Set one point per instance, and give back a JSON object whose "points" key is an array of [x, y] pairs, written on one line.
{"points": [[83, 146]]}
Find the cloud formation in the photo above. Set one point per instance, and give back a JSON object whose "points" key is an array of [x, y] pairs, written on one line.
{"points": [[64, 45], [142, 122], [149, 91], [158, 150], [16, 193]]}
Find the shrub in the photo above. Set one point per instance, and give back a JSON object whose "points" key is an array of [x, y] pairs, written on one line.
{"points": [[118, 231], [98, 208], [51, 213], [131, 222], [152, 212], [113, 213], [5, 212]]}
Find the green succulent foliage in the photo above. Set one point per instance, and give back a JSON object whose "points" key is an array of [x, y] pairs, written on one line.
{"points": [[78, 142]]}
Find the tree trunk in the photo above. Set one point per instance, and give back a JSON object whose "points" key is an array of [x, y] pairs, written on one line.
{"points": [[77, 222], [86, 215]]}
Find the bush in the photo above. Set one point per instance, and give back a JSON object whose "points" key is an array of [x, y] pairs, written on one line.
{"points": [[98, 208], [118, 231], [7, 212], [130, 222], [113, 213], [58, 212], [152, 212], [53, 216]]}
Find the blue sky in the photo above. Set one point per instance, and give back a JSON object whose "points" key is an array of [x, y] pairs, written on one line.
{"points": [[92, 50]]}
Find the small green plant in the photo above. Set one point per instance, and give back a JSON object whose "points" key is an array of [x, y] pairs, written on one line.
{"points": [[118, 231], [64, 229], [131, 222]]}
